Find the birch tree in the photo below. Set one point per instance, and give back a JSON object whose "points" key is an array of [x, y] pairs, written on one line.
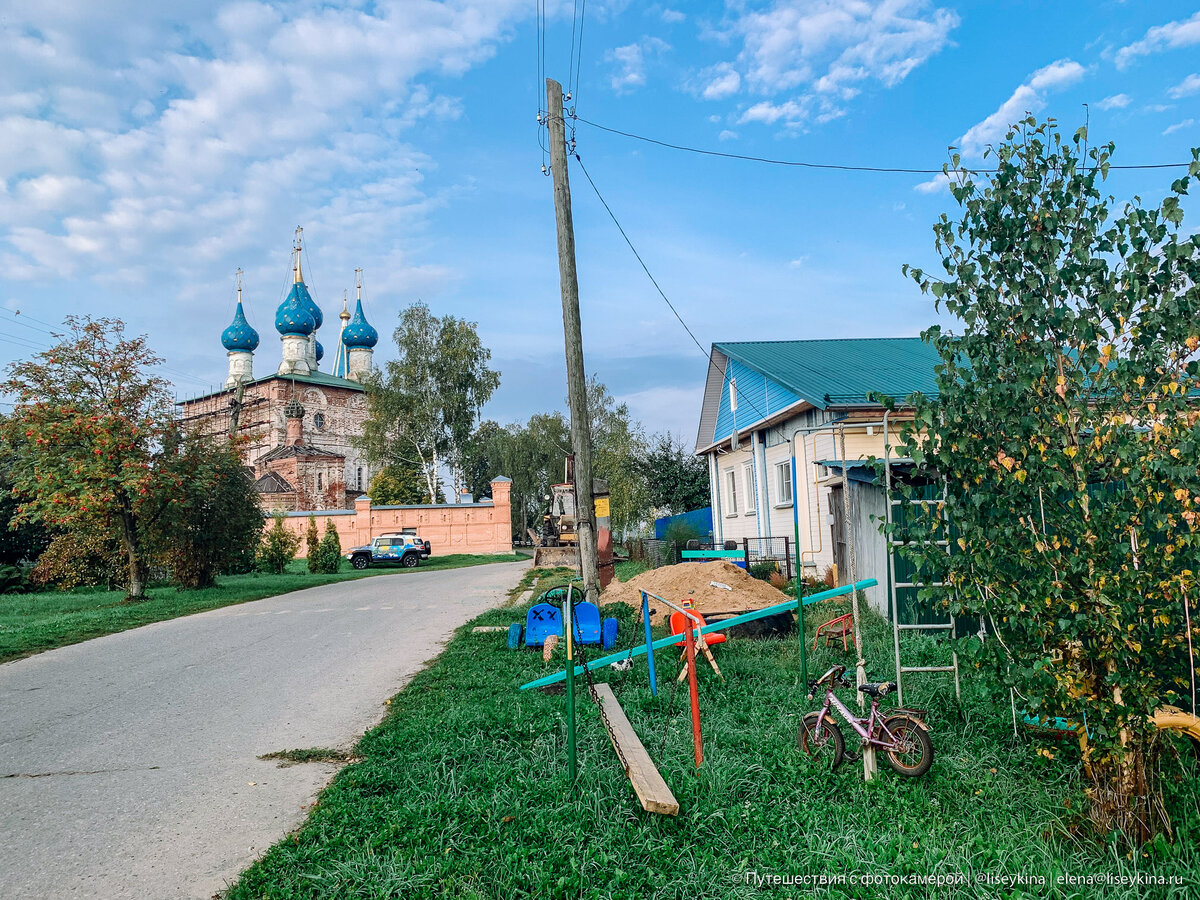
{"points": [[423, 405]]}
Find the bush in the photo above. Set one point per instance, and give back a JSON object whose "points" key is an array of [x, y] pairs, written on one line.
{"points": [[82, 558], [328, 553], [764, 570], [312, 545], [12, 580], [278, 547]]}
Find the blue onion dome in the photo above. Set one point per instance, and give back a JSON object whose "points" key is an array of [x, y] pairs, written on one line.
{"points": [[239, 335], [359, 333], [300, 292], [320, 351], [293, 317]]}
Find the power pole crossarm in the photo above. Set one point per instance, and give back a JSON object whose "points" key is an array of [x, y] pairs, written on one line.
{"points": [[581, 438]]}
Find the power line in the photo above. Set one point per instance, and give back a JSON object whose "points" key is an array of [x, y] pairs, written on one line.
{"points": [[708, 355], [896, 170]]}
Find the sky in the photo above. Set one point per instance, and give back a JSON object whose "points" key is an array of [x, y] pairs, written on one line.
{"points": [[148, 150]]}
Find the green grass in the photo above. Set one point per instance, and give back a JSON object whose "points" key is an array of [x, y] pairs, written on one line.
{"points": [[33, 623], [462, 792]]}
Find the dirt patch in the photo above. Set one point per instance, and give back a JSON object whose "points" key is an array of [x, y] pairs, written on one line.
{"points": [[312, 754], [676, 583]]}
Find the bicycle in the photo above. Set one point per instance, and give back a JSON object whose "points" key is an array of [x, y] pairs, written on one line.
{"points": [[902, 736]]}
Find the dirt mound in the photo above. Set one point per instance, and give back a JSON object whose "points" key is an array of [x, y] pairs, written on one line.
{"points": [[675, 583]]}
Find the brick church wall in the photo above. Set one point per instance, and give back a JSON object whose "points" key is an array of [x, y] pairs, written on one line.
{"points": [[450, 528]]}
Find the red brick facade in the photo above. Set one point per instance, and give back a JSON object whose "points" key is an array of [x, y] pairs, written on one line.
{"points": [[450, 528]]}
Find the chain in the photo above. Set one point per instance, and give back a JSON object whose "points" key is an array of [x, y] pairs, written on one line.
{"points": [[587, 674]]}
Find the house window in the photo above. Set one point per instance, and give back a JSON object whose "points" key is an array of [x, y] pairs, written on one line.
{"points": [[318, 481], [319, 421], [358, 481], [733, 395], [783, 476], [748, 475], [731, 506]]}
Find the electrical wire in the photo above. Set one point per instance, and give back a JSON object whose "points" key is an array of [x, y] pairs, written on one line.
{"points": [[895, 170], [707, 354]]}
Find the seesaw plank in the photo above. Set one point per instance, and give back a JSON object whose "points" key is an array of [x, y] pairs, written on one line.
{"points": [[648, 784]]}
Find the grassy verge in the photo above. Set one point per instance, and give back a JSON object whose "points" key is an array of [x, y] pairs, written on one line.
{"points": [[33, 623], [479, 805]]}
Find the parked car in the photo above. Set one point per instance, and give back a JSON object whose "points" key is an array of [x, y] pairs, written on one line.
{"points": [[390, 549]]}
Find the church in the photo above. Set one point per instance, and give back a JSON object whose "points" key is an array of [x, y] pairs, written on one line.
{"points": [[300, 421]]}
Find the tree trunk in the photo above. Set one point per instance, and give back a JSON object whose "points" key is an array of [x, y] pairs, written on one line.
{"points": [[137, 565], [1123, 796]]}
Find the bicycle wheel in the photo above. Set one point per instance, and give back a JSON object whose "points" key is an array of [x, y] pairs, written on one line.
{"points": [[914, 754], [823, 742]]}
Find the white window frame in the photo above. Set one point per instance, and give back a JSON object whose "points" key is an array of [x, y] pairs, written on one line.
{"points": [[733, 395], [751, 492], [731, 504], [784, 484]]}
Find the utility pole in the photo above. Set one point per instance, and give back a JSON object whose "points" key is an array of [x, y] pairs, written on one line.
{"points": [[581, 436]]}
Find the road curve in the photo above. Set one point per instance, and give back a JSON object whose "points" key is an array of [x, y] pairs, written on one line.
{"points": [[128, 764]]}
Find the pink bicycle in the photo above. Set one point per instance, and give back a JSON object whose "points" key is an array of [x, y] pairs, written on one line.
{"points": [[902, 736]]}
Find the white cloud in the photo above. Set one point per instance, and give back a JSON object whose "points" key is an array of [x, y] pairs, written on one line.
{"points": [[631, 61], [1116, 101], [672, 16], [1171, 36], [935, 185], [1029, 97], [226, 129], [827, 51], [1187, 87], [1179, 126], [721, 81], [727, 135]]}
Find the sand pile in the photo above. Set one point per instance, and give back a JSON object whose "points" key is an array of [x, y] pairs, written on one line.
{"points": [[675, 583]]}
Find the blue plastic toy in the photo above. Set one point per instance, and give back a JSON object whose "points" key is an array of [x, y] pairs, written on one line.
{"points": [[590, 630], [545, 619]]}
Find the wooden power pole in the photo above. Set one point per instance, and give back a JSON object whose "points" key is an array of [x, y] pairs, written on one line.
{"points": [[581, 429]]}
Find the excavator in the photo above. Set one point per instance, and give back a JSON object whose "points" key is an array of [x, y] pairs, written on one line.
{"points": [[558, 542]]}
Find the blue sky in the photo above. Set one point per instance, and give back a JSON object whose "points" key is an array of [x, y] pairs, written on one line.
{"points": [[147, 150]]}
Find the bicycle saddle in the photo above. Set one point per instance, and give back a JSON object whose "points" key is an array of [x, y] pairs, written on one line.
{"points": [[877, 688]]}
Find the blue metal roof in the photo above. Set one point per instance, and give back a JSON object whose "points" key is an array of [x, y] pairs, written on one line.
{"points": [[240, 335], [360, 332], [844, 371], [293, 316]]}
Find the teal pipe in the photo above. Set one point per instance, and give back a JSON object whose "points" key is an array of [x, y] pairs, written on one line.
{"points": [[674, 639]]}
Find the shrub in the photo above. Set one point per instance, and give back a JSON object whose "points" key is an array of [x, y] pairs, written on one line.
{"points": [[87, 557], [312, 545], [12, 580], [764, 570], [329, 552], [278, 547]]}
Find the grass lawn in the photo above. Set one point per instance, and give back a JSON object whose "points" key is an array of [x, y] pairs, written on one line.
{"points": [[462, 793], [32, 623]]}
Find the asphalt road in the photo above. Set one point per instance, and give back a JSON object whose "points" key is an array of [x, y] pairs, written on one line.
{"points": [[128, 764]]}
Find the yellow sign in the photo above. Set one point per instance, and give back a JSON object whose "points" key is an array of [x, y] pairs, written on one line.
{"points": [[602, 507]]}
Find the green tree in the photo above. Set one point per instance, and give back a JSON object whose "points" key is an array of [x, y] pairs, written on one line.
{"points": [[423, 406], [312, 541], [400, 486], [329, 553], [21, 540], [278, 546], [618, 447], [676, 478], [214, 513], [1065, 428], [88, 422]]}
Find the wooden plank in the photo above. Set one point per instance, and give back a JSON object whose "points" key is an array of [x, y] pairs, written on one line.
{"points": [[488, 629], [648, 784], [676, 639]]}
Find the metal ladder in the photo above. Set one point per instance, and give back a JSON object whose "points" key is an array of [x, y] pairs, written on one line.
{"points": [[890, 503]]}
